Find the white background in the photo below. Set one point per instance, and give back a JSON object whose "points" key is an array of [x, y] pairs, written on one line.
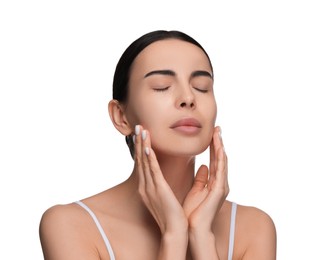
{"points": [[57, 144]]}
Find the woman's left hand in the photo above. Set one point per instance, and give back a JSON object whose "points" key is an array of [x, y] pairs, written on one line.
{"points": [[209, 190]]}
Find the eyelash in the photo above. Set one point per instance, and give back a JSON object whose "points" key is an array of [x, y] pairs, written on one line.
{"points": [[161, 89], [166, 88], [202, 90]]}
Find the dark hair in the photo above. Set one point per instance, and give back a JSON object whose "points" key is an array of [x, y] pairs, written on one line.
{"points": [[122, 72]]}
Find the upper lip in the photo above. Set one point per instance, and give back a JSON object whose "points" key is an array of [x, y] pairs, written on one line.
{"points": [[186, 122]]}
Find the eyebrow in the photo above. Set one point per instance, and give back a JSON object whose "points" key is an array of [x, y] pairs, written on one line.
{"points": [[160, 72], [196, 73], [199, 73]]}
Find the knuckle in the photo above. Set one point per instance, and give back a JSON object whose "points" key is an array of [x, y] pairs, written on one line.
{"points": [[141, 192], [138, 160], [222, 191], [145, 165]]}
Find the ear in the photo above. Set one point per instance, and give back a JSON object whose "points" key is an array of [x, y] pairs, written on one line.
{"points": [[118, 117]]}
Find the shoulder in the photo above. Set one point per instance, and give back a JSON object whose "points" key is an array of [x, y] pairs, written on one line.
{"points": [[255, 218], [63, 227], [60, 216], [256, 232]]}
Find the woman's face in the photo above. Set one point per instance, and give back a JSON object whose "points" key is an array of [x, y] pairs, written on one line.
{"points": [[171, 95]]}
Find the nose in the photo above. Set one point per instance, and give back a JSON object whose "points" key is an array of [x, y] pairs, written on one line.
{"points": [[186, 98]]}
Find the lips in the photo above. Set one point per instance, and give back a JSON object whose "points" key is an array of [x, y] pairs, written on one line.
{"points": [[186, 122], [187, 126]]}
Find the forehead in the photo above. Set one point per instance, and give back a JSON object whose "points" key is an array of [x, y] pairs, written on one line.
{"points": [[171, 54]]}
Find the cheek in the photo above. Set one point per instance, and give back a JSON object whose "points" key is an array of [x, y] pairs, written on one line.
{"points": [[153, 113], [210, 116], [147, 111], [208, 108], [213, 113]]}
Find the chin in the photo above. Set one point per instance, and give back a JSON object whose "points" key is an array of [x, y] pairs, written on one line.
{"points": [[185, 149], [180, 145]]}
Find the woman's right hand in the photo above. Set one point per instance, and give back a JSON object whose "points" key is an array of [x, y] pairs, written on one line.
{"points": [[154, 190]]}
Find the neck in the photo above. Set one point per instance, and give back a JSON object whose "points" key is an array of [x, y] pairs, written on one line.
{"points": [[178, 172]]}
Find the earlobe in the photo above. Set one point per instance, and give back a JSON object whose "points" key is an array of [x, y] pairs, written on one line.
{"points": [[118, 117]]}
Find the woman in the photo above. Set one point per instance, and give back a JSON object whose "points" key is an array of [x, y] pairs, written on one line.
{"points": [[163, 102]]}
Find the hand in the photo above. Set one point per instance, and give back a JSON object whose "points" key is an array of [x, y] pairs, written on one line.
{"points": [[154, 190], [209, 191]]}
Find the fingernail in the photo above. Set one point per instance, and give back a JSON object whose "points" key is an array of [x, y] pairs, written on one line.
{"points": [[147, 150], [220, 132], [133, 138], [137, 130], [143, 134]]}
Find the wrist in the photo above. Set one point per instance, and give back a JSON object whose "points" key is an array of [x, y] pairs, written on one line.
{"points": [[180, 237], [173, 245], [178, 227], [202, 244], [175, 234], [201, 235]]}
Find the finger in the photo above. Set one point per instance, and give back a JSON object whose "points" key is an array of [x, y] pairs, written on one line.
{"points": [[219, 188], [146, 145], [154, 167], [222, 160], [212, 156], [217, 139], [221, 172], [215, 144], [138, 155], [201, 178], [220, 163], [212, 160]]}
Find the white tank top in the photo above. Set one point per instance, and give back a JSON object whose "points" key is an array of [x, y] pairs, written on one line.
{"points": [[109, 248]]}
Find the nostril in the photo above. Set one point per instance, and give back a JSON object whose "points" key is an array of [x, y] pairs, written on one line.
{"points": [[184, 104]]}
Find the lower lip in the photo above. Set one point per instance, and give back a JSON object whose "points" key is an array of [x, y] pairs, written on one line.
{"points": [[189, 130]]}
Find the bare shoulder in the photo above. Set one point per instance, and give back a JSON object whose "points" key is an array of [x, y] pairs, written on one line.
{"points": [[256, 218], [60, 217], [59, 212], [64, 227], [256, 233]]}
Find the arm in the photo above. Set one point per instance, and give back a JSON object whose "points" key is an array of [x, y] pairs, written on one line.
{"points": [[203, 245], [173, 246]]}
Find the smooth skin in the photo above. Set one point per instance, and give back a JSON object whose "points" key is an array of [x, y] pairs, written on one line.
{"points": [[164, 210]]}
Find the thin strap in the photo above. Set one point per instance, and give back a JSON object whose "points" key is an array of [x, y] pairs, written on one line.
{"points": [[232, 229], [102, 232]]}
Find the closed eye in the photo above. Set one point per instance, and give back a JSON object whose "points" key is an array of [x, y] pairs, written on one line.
{"points": [[161, 89], [201, 90]]}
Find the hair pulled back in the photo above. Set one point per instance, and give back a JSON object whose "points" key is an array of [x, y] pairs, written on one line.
{"points": [[122, 72]]}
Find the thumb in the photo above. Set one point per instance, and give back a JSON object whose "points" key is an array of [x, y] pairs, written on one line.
{"points": [[201, 178]]}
